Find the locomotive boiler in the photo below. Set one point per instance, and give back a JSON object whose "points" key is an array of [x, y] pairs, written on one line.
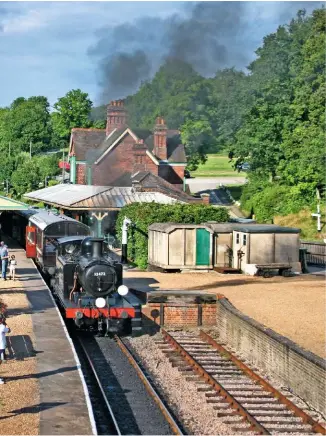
{"points": [[89, 285]]}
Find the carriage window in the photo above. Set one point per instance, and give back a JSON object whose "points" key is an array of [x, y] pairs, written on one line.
{"points": [[39, 236], [237, 238], [244, 239], [31, 237]]}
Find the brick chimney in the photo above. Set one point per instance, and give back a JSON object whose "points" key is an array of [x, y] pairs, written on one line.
{"points": [[139, 156], [160, 143], [116, 116]]}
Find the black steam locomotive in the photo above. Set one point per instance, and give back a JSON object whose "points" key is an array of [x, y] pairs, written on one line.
{"points": [[86, 279], [89, 285]]}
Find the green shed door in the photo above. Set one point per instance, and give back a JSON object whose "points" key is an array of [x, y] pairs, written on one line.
{"points": [[202, 247]]}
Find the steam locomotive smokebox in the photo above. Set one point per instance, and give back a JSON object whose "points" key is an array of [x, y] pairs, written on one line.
{"points": [[179, 309]]}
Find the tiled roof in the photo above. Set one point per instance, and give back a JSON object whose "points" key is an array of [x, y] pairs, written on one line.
{"points": [[150, 181], [86, 140], [175, 150]]}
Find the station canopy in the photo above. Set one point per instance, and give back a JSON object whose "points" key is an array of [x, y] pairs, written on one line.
{"points": [[7, 203]]}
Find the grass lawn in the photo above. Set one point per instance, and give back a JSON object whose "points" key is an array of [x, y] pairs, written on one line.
{"points": [[217, 165]]}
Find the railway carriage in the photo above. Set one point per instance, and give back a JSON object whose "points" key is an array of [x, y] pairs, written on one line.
{"points": [[43, 229]]}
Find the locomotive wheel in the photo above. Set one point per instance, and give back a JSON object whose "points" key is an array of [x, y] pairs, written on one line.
{"points": [[266, 274]]}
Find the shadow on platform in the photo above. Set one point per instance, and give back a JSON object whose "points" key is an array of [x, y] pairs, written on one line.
{"points": [[33, 409]]}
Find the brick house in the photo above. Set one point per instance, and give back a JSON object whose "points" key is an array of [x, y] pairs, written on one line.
{"points": [[109, 157]]}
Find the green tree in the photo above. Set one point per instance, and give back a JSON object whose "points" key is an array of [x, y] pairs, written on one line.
{"points": [[26, 123], [26, 177], [72, 110], [303, 135]]}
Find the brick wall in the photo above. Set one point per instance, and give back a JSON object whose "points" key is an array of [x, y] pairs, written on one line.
{"points": [[289, 364], [80, 174], [117, 162], [180, 314]]}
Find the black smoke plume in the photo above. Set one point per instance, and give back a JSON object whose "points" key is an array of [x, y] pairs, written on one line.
{"points": [[207, 35]]}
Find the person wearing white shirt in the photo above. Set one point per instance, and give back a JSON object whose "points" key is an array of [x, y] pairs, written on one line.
{"points": [[3, 343]]}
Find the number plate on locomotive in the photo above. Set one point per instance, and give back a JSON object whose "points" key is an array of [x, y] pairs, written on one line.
{"points": [[97, 274]]}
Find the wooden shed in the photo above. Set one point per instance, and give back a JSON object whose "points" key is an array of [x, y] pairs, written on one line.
{"points": [[180, 246], [222, 243], [265, 244]]}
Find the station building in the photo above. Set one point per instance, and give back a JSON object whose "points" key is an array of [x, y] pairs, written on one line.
{"points": [[98, 206], [109, 157]]}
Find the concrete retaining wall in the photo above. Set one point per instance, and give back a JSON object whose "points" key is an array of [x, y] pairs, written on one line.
{"points": [[285, 361]]}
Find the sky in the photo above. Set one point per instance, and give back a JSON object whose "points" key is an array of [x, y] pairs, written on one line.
{"points": [[107, 48]]}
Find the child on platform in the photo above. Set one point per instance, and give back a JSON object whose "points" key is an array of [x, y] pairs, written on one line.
{"points": [[12, 267]]}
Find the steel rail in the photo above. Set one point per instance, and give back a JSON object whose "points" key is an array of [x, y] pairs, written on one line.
{"points": [[116, 426], [239, 409], [174, 426], [316, 427]]}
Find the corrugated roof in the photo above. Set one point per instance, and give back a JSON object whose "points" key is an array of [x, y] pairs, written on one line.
{"points": [[65, 194], [7, 203], [118, 197], [98, 197]]}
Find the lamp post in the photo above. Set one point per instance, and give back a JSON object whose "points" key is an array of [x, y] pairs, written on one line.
{"points": [[124, 252], [318, 214], [6, 185]]}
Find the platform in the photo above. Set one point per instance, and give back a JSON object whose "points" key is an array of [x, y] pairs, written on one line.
{"points": [[64, 406]]}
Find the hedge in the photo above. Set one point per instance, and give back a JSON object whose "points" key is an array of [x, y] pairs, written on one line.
{"points": [[144, 214]]}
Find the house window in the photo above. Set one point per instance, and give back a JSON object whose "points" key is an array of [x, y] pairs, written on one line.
{"points": [[237, 238], [244, 239]]}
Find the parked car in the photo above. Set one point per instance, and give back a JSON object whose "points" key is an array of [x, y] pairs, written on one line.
{"points": [[243, 167]]}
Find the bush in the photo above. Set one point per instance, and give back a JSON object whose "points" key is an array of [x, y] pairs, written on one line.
{"points": [[268, 200], [144, 214]]}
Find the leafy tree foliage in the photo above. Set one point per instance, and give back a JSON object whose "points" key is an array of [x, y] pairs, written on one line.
{"points": [[283, 135], [72, 110], [26, 122]]}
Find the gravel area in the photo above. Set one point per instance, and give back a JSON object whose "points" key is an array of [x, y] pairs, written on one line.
{"points": [[182, 396], [19, 396], [293, 307]]}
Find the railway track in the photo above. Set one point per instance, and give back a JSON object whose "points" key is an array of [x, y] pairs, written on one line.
{"points": [[241, 398], [133, 405]]}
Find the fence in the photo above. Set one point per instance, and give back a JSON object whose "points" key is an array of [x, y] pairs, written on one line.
{"points": [[316, 253]]}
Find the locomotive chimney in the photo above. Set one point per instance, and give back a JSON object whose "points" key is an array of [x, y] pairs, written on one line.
{"points": [[97, 247]]}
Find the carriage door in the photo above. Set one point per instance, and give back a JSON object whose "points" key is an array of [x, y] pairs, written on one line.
{"points": [[30, 241]]}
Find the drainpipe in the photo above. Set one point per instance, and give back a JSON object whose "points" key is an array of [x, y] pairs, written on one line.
{"points": [[126, 223], [73, 169]]}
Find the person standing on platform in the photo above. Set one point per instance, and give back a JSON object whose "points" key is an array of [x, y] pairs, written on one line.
{"points": [[12, 267], [3, 343], [4, 259]]}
